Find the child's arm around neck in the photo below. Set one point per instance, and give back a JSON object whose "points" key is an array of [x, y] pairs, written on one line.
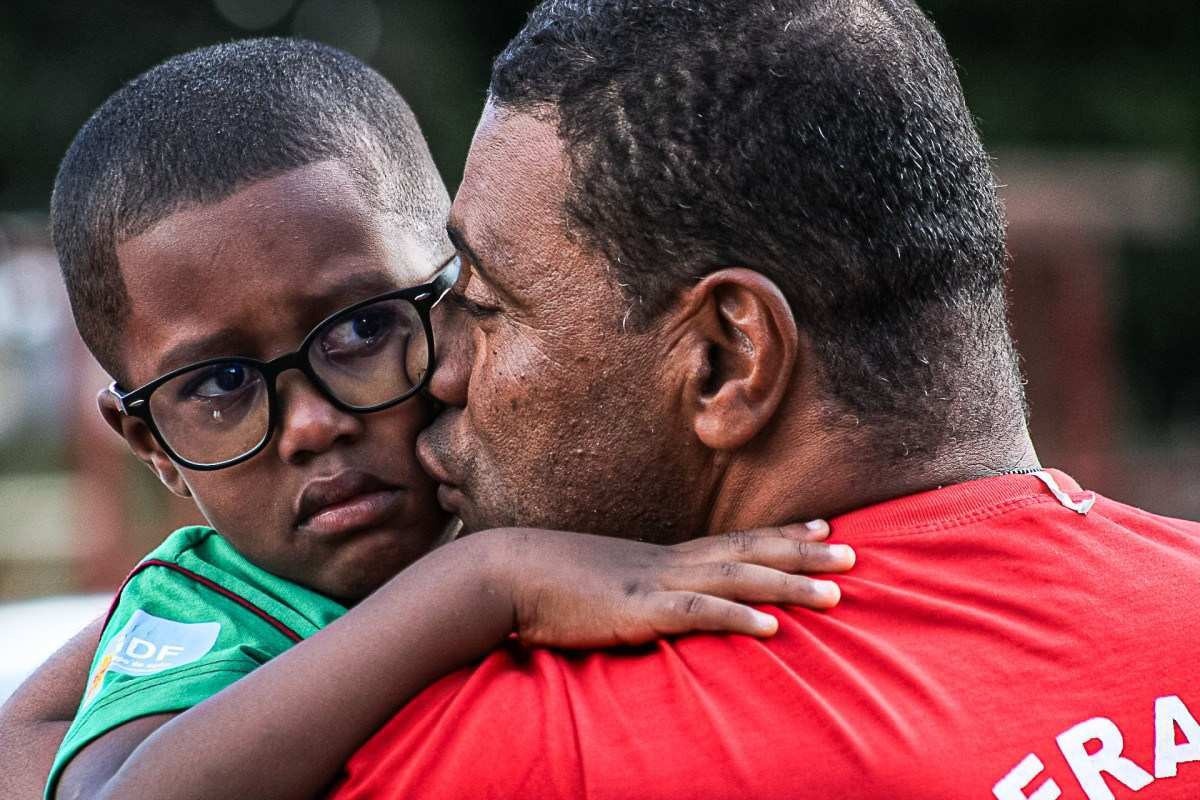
{"points": [[286, 728]]}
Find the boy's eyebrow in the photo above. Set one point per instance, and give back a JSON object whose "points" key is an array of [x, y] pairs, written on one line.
{"points": [[362, 285], [348, 290], [214, 345]]}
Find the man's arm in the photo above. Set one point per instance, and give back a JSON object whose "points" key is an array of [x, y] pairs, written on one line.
{"points": [[285, 729], [36, 717]]}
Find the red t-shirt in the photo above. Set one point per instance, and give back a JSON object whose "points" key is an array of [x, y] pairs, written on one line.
{"points": [[992, 643]]}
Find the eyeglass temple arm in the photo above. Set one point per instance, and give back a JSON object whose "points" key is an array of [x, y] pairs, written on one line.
{"points": [[119, 396]]}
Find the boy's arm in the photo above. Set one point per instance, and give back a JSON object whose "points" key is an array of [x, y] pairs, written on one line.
{"points": [[285, 729], [36, 717], [104, 757]]}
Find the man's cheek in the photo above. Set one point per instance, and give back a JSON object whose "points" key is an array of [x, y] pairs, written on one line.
{"points": [[524, 416], [511, 375]]}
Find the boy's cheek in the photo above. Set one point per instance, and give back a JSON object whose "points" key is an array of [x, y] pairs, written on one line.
{"points": [[253, 503], [251, 498]]}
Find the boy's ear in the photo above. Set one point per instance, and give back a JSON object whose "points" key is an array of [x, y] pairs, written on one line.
{"points": [[745, 345], [141, 442]]}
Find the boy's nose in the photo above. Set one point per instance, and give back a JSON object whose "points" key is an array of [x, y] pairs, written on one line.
{"points": [[309, 424], [452, 341]]}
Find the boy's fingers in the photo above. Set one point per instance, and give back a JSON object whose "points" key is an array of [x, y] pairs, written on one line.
{"points": [[752, 583], [790, 555], [685, 612], [815, 530]]}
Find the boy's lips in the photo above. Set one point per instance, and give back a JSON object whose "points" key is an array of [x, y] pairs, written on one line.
{"points": [[346, 502]]}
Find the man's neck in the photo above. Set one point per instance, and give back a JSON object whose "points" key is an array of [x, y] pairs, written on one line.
{"points": [[803, 472]]}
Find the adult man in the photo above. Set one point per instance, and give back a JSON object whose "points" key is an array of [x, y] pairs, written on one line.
{"points": [[732, 264]]}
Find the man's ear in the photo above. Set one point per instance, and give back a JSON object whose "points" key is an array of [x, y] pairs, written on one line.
{"points": [[746, 345], [142, 443]]}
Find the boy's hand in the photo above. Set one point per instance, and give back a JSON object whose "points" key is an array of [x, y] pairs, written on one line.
{"points": [[573, 590]]}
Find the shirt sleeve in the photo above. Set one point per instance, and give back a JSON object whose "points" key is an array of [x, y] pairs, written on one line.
{"points": [[170, 643]]}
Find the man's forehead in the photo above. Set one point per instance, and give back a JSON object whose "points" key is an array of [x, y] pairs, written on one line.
{"points": [[514, 180]]}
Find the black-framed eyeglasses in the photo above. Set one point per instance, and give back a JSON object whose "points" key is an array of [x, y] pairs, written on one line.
{"points": [[367, 357]]}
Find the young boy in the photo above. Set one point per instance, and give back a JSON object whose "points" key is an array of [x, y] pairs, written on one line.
{"points": [[252, 240]]}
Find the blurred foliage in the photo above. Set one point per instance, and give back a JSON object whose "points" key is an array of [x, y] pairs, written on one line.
{"points": [[1076, 73], [1157, 293]]}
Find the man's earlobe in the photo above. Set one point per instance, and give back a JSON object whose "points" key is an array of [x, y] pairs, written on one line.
{"points": [[141, 443], [749, 345]]}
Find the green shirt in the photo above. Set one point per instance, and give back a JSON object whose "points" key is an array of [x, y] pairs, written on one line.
{"points": [[192, 618]]}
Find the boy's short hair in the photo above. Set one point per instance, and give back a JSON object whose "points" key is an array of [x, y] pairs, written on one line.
{"points": [[199, 127]]}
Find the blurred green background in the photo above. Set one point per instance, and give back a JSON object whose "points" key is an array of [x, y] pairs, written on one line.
{"points": [[1092, 111]]}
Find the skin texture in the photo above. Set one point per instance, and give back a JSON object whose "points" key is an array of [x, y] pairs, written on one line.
{"points": [[713, 416], [251, 275], [545, 393]]}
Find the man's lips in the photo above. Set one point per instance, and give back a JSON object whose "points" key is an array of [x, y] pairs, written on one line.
{"points": [[427, 455], [450, 496], [346, 502]]}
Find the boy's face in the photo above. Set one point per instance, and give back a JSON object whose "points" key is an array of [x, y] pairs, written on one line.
{"points": [[250, 276]]}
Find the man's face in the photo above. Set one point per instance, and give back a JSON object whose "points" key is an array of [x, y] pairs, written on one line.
{"points": [[250, 276], [559, 416]]}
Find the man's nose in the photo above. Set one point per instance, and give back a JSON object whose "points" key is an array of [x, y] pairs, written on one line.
{"points": [[452, 343], [309, 424]]}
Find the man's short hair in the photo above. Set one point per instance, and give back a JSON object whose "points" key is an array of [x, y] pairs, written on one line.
{"points": [[203, 125], [825, 143]]}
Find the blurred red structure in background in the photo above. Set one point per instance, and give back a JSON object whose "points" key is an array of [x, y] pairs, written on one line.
{"points": [[1067, 220]]}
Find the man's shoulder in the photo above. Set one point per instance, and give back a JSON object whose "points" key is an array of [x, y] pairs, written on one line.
{"points": [[543, 723], [1141, 520], [924, 671]]}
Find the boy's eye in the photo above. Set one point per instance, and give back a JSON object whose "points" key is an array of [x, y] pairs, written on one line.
{"points": [[360, 333], [219, 381]]}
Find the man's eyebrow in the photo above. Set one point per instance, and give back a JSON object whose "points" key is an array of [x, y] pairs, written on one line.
{"points": [[460, 241]]}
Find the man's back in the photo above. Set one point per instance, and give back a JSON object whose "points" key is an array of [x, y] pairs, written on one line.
{"points": [[991, 641]]}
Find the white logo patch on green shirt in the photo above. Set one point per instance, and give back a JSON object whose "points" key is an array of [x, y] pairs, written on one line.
{"points": [[148, 644]]}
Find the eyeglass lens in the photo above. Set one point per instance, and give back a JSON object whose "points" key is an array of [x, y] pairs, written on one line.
{"points": [[365, 358]]}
